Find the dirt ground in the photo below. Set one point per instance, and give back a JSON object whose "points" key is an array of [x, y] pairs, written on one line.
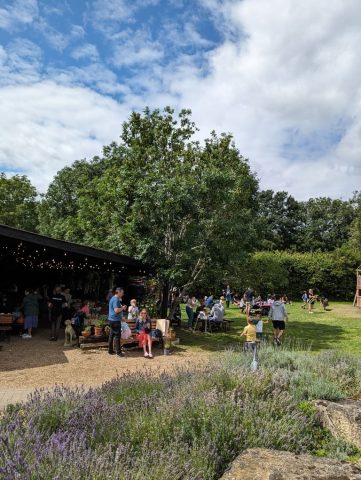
{"points": [[36, 362]]}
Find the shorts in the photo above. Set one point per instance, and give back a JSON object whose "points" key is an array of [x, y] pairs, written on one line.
{"points": [[249, 346], [279, 324], [259, 335]]}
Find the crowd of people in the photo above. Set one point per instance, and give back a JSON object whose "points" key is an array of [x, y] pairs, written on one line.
{"points": [[58, 306], [119, 328], [258, 311]]}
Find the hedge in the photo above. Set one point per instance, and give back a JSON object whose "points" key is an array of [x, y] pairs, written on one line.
{"points": [[332, 274]]}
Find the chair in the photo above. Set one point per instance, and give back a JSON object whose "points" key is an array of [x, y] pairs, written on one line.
{"points": [[163, 325]]}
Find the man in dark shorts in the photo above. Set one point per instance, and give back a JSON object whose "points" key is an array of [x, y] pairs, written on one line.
{"points": [[115, 315], [279, 316], [56, 305]]}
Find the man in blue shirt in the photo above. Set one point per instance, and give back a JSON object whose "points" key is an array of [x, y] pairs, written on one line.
{"points": [[115, 316]]}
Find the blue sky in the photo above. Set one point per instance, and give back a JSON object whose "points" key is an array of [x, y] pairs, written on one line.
{"points": [[281, 76]]}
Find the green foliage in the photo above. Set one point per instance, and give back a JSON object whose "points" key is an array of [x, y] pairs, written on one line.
{"points": [[280, 220], [355, 227], [327, 224], [160, 196], [18, 204], [330, 273], [319, 224], [59, 210]]}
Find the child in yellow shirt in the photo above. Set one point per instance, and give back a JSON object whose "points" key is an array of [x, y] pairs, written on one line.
{"points": [[250, 333]]}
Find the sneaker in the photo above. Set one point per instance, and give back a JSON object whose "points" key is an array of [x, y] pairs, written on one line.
{"points": [[146, 355], [150, 355], [120, 354], [111, 353], [52, 339], [26, 335]]}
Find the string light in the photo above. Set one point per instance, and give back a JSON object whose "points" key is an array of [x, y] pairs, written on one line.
{"points": [[29, 257]]}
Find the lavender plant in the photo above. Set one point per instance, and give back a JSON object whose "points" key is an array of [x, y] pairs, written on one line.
{"points": [[189, 425]]}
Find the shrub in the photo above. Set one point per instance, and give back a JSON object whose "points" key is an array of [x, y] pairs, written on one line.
{"points": [[187, 426]]}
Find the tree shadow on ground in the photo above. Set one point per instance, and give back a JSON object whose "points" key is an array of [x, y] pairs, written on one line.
{"points": [[320, 336], [309, 334]]}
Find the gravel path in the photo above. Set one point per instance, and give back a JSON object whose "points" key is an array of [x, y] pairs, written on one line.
{"points": [[35, 363]]}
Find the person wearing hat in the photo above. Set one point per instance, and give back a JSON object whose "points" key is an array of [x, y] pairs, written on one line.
{"points": [[115, 315]]}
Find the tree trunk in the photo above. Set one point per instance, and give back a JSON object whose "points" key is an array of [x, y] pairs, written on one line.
{"points": [[165, 300]]}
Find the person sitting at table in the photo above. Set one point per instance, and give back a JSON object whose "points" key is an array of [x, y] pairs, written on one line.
{"points": [[217, 313], [200, 314], [143, 329]]}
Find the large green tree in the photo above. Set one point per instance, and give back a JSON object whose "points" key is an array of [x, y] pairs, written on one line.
{"points": [[184, 208], [355, 227], [281, 219], [326, 225], [18, 202]]}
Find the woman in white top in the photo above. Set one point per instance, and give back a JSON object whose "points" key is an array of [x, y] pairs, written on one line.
{"points": [[191, 303]]}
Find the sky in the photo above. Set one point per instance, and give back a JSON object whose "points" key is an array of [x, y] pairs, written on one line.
{"points": [[283, 76]]}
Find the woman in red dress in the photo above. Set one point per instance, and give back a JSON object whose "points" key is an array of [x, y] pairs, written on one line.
{"points": [[143, 328]]}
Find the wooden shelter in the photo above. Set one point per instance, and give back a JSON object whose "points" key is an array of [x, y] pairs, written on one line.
{"points": [[357, 301], [29, 260]]}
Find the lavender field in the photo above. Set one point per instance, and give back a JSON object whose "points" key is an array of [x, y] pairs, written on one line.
{"points": [[189, 425]]}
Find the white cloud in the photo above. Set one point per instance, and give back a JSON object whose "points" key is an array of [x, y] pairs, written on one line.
{"points": [[48, 126], [86, 51], [18, 12], [294, 66], [20, 62], [284, 81], [131, 48], [95, 75]]}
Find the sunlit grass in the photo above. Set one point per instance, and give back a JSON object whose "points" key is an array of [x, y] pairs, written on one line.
{"points": [[338, 328]]}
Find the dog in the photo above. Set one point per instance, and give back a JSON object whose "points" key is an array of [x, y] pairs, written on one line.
{"points": [[70, 335]]}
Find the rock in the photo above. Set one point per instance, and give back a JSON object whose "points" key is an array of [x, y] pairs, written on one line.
{"points": [[263, 464], [342, 418]]}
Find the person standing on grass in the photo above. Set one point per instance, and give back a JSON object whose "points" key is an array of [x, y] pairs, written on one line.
{"points": [[228, 296], [191, 304], [304, 299], [258, 322], [250, 333], [278, 315], [311, 300], [248, 296], [143, 328], [30, 307], [56, 305], [115, 315]]}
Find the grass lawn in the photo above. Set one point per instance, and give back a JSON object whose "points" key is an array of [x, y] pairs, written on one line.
{"points": [[337, 328]]}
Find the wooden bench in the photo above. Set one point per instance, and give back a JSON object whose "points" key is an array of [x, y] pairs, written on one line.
{"points": [[6, 325], [98, 342], [227, 324]]}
